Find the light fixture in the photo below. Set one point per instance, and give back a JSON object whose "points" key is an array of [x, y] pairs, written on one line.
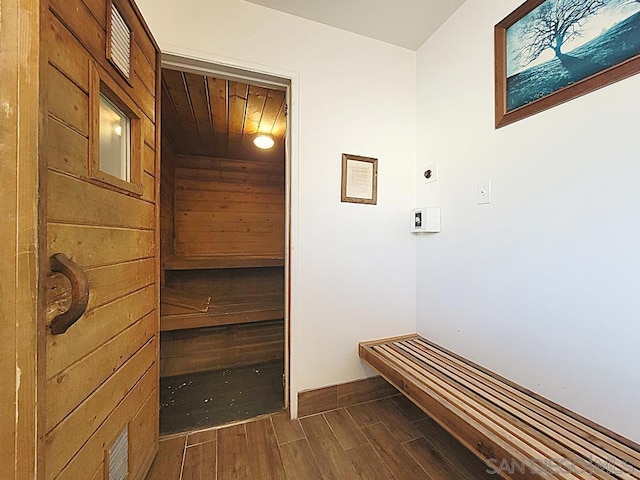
{"points": [[264, 142], [118, 130]]}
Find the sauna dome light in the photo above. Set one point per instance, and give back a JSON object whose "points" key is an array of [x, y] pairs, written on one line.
{"points": [[264, 142]]}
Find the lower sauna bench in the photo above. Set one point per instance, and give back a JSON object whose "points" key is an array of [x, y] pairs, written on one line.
{"points": [[215, 375], [247, 308], [517, 433]]}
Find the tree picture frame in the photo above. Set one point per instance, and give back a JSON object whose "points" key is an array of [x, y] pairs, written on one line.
{"points": [[548, 52]]}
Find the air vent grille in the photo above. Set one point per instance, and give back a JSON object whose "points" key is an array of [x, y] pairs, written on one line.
{"points": [[119, 457], [120, 44]]}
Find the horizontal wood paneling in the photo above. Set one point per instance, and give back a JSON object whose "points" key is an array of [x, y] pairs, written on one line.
{"points": [[148, 187], [115, 281], [232, 165], [93, 246], [223, 197], [68, 437], [96, 327], [233, 219], [71, 387], [67, 102], [90, 372], [230, 187], [238, 220], [78, 18], [91, 454], [223, 175], [222, 284], [230, 248], [68, 56], [100, 206], [65, 149], [143, 436], [199, 350]]}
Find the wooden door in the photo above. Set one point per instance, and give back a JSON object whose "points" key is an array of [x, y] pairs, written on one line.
{"points": [[99, 378]]}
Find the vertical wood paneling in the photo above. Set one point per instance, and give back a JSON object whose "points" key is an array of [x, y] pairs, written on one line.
{"points": [[19, 254], [238, 94], [219, 104], [175, 85], [199, 96], [209, 116]]}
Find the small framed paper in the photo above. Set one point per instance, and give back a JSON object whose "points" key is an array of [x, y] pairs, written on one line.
{"points": [[359, 179]]}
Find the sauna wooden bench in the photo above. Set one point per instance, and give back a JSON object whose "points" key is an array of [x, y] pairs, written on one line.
{"points": [[233, 310], [505, 425], [220, 262], [230, 311]]}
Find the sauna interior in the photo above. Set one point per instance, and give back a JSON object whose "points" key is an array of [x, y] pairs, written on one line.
{"points": [[222, 346]]}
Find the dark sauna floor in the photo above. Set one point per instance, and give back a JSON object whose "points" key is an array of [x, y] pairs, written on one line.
{"points": [[208, 399]]}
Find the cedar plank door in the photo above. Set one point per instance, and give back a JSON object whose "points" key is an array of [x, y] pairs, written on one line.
{"points": [[101, 375]]}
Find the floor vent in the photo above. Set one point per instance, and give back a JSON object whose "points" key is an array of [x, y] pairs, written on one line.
{"points": [[119, 457]]}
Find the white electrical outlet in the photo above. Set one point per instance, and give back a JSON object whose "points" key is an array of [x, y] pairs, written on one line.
{"points": [[484, 193], [431, 173]]}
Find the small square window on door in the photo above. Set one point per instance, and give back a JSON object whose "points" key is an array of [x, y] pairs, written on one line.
{"points": [[115, 140], [116, 135]]}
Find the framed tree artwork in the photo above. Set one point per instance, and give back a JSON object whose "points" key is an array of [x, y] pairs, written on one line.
{"points": [[550, 51]]}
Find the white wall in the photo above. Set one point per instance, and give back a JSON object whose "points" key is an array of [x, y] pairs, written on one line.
{"points": [[353, 265], [542, 284]]}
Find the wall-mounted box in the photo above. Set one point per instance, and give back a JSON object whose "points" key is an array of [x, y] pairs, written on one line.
{"points": [[425, 220]]}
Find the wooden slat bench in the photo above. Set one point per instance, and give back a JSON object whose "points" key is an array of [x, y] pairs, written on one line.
{"points": [[517, 433]]}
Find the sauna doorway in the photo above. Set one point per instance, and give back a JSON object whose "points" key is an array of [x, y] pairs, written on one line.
{"points": [[223, 241]]}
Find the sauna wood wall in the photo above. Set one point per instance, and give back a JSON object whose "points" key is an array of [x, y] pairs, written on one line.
{"points": [[229, 207], [202, 349], [225, 283], [216, 348], [167, 195], [101, 374]]}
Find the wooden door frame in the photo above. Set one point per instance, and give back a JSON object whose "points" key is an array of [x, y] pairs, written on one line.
{"points": [[19, 183], [261, 75]]}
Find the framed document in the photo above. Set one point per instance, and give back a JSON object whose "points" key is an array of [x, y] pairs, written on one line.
{"points": [[359, 179]]}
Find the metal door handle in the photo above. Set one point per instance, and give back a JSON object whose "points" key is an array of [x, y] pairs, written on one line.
{"points": [[60, 263]]}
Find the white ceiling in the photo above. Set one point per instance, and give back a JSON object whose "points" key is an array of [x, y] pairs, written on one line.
{"points": [[406, 23]]}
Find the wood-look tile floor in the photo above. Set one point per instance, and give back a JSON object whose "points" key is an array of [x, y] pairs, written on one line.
{"points": [[385, 439]]}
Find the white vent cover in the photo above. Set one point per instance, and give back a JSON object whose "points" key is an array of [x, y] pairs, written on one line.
{"points": [[119, 456], [120, 44]]}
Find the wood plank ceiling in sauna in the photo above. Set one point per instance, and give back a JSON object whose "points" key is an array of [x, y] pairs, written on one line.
{"points": [[213, 117]]}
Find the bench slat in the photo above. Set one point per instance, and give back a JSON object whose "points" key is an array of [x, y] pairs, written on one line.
{"points": [[522, 420], [508, 431], [497, 419], [607, 441]]}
